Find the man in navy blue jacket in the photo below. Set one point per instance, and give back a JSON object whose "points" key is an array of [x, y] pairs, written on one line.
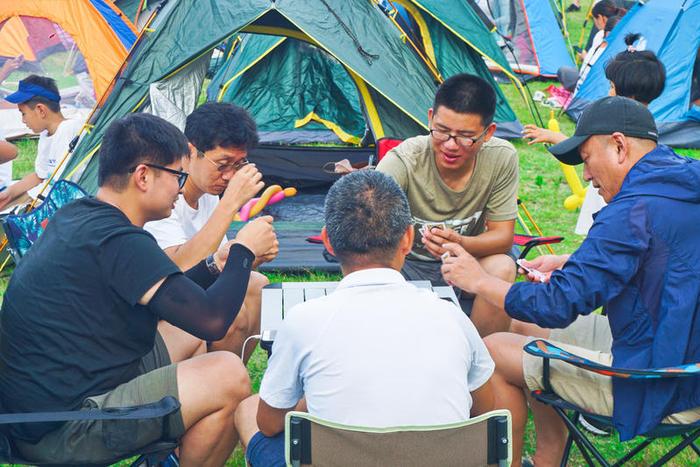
{"points": [[640, 261]]}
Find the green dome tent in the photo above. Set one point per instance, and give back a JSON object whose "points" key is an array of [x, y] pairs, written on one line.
{"points": [[166, 68]]}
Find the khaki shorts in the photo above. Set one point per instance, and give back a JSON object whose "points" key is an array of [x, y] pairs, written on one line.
{"points": [[589, 337], [94, 442]]}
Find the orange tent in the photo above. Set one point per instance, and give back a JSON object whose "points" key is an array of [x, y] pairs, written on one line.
{"points": [[99, 29]]}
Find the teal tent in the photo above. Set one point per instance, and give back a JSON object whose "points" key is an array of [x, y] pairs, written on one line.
{"points": [[166, 68], [298, 93]]}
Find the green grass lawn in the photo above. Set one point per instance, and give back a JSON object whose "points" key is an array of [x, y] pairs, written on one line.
{"points": [[542, 189]]}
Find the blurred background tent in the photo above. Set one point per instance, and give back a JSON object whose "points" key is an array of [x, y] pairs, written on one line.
{"points": [[669, 28], [530, 34], [79, 43], [138, 11]]}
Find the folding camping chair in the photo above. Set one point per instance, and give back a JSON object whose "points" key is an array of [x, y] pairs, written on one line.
{"points": [[24, 229], [689, 433], [480, 441], [126, 416]]}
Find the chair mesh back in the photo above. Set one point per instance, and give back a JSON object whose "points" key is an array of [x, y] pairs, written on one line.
{"points": [[23, 230], [464, 446]]}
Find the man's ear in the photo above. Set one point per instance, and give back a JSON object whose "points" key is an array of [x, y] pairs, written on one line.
{"points": [[326, 240], [406, 242], [489, 132], [193, 150], [430, 116], [141, 177], [621, 146]]}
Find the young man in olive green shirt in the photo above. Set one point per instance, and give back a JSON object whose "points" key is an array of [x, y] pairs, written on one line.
{"points": [[462, 185]]}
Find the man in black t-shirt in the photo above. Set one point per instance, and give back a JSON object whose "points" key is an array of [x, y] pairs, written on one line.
{"points": [[78, 325]]}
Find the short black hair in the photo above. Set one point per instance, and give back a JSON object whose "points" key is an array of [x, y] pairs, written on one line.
{"points": [[136, 139], [467, 94], [366, 215], [637, 74], [50, 85], [221, 124]]}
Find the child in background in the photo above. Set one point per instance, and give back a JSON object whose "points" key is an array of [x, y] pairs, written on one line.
{"points": [[38, 100]]}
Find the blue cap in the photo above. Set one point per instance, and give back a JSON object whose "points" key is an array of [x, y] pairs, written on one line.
{"points": [[29, 91]]}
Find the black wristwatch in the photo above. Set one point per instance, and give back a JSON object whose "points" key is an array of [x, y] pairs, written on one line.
{"points": [[212, 266]]}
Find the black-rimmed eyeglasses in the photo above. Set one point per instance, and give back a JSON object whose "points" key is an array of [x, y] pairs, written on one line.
{"points": [[464, 141], [181, 176]]}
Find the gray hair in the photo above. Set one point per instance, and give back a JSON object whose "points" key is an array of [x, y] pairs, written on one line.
{"points": [[366, 213]]}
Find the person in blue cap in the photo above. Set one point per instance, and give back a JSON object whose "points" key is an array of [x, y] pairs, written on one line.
{"points": [[38, 100]]}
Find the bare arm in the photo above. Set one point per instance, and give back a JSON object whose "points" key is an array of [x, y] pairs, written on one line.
{"points": [[542, 135], [483, 399], [271, 420], [22, 186], [8, 151]]}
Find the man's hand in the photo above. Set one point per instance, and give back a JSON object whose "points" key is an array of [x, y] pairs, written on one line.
{"points": [[246, 183], [545, 264], [269, 256], [434, 240], [542, 135], [461, 269], [258, 236]]}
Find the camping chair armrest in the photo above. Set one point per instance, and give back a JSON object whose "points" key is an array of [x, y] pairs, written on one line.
{"points": [[528, 242], [547, 351], [161, 408]]}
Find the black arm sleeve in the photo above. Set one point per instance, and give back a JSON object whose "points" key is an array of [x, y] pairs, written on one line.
{"points": [[200, 275], [206, 314]]}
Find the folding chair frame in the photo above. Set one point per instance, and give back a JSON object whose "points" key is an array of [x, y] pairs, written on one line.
{"points": [[297, 434], [547, 351], [150, 455]]}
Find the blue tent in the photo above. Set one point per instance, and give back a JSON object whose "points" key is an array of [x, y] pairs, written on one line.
{"points": [[529, 34], [670, 29]]}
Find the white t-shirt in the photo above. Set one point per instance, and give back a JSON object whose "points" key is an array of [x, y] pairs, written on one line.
{"points": [[51, 150], [5, 171], [377, 352], [184, 222], [592, 203], [597, 48]]}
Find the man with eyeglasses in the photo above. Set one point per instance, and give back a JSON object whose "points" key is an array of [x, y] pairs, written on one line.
{"points": [[220, 182], [462, 186], [79, 322]]}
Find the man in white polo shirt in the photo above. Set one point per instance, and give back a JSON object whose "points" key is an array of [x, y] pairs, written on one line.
{"points": [[376, 352], [219, 137]]}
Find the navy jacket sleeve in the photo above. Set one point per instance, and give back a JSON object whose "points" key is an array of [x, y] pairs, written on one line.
{"points": [[598, 271]]}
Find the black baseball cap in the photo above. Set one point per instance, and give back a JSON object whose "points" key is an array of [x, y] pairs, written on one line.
{"points": [[605, 117]]}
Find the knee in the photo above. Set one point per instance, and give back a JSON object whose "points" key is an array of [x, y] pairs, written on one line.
{"points": [[501, 266], [229, 376], [501, 346]]}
